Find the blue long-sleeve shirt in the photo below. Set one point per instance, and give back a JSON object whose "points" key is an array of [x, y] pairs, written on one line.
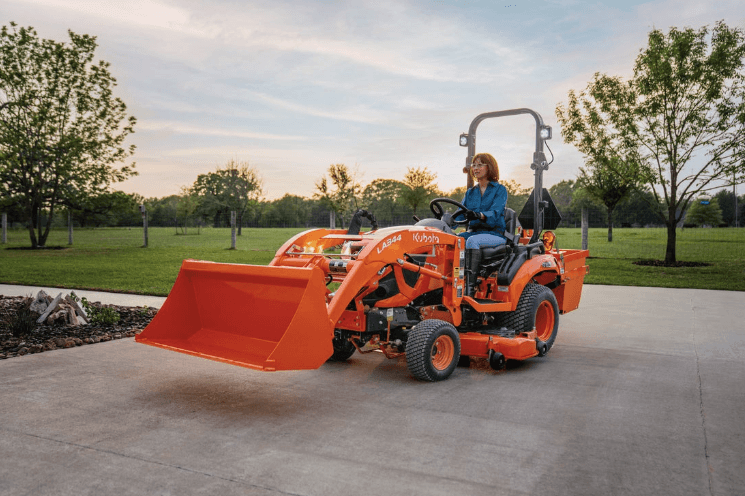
{"points": [[491, 204]]}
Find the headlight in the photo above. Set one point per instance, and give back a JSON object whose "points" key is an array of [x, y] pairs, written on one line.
{"points": [[545, 132], [464, 139]]}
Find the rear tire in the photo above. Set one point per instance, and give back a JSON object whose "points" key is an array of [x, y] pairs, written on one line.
{"points": [[432, 350], [342, 350], [537, 308]]}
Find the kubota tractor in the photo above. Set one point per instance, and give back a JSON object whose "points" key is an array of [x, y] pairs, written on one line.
{"points": [[400, 292]]}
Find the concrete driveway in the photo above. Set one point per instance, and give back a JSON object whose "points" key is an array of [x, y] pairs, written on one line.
{"points": [[642, 394]]}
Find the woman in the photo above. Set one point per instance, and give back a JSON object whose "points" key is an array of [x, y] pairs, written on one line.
{"points": [[485, 201]]}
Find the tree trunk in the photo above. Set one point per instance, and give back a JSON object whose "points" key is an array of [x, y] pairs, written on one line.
{"points": [[610, 225], [33, 220], [43, 236], [671, 238]]}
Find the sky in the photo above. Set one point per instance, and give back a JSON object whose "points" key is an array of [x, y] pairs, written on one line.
{"points": [[292, 87]]}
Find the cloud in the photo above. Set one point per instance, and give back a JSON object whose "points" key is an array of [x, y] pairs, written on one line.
{"points": [[138, 13], [181, 128]]}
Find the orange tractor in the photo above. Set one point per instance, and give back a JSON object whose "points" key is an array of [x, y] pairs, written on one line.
{"points": [[399, 291]]}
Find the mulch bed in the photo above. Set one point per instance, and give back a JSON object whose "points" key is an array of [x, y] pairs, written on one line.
{"points": [[51, 337]]}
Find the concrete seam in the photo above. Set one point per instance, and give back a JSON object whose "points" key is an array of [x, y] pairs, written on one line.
{"points": [[115, 453], [709, 468]]}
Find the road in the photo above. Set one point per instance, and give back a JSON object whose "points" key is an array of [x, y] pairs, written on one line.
{"points": [[641, 394]]}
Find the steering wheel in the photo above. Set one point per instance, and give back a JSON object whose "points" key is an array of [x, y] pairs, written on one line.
{"points": [[439, 212]]}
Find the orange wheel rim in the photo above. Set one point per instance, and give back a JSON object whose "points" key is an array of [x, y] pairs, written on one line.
{"points": [[544, 321], [443, 351]]}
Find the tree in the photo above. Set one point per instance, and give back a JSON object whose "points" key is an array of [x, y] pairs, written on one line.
{"points": [[606, 186], [107, 209], [726, 199], [419, 187], [681, 116], [517, 196], [704, 212], [638, 208], [188, 203], [61, 128], [383, 198], [288, 211], [162, 212], [341, 195], [236, 187]]}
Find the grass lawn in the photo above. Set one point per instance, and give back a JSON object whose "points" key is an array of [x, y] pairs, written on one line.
{"points": [[112, 259]]}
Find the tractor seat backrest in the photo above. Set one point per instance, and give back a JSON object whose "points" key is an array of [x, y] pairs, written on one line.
{"points": [[510, 222]]}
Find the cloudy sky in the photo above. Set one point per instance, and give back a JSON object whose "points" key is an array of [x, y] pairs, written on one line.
{"points": [[294, 86]]}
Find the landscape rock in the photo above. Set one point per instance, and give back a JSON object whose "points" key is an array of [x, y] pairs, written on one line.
{"points": [[56, 336], [40, 303]]}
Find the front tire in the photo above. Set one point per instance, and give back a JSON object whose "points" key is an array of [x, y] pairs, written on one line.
{"points": [[343, 349], [537, 308], [432, 350]]}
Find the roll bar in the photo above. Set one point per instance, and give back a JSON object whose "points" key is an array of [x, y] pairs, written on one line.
{"points": [[539, 158]]}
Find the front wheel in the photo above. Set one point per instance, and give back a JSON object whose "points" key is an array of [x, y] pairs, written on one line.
{"points": [[343, 349], [432, 350]]}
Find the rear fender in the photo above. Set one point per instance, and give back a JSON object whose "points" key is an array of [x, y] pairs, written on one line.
{"points": [[540, 267]]}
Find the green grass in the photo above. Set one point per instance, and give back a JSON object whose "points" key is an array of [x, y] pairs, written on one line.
{"points": [[611, 263], [113, 259]]}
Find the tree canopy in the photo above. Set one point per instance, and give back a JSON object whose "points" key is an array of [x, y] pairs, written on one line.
{"points": [[679, 121], [341, 196], [62, 130]]}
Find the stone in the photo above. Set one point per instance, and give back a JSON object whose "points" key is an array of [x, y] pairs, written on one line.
{"points": [[51, 308], [40, 303], [78, 341]]}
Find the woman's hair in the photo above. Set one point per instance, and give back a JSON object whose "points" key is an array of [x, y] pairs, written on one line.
{"points": [[491, 163]]}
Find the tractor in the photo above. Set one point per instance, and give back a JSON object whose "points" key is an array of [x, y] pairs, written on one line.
{"points": [[330, 293]]}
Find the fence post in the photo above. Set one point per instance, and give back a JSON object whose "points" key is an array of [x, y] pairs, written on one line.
{"points": [[232, 229], [69, 227], [5, 228], [585, 225], [143, 210]]}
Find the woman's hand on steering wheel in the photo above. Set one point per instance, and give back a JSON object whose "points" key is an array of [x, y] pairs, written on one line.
{"points": [[438, 211]]}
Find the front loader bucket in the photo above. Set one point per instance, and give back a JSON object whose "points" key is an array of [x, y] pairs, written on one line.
{"points": [[265, 318]]}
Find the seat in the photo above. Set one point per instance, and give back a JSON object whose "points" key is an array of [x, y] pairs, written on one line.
{"points": [[491, 254]]}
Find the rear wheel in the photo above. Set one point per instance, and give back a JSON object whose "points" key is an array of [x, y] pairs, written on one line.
{"points": [[537, 308], [432, 350]]}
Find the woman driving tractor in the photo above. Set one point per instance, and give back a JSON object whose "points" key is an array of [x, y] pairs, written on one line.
{"points": [[486, 202]]}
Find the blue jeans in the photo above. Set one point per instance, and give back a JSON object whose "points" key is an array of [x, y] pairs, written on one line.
{"points": [[476, 240]]}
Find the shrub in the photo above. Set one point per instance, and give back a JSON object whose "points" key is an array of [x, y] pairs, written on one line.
{"points": [[24, 321]]}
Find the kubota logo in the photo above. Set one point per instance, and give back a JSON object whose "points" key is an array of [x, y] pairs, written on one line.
{"points": [[388, 242], [426, 238]]}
